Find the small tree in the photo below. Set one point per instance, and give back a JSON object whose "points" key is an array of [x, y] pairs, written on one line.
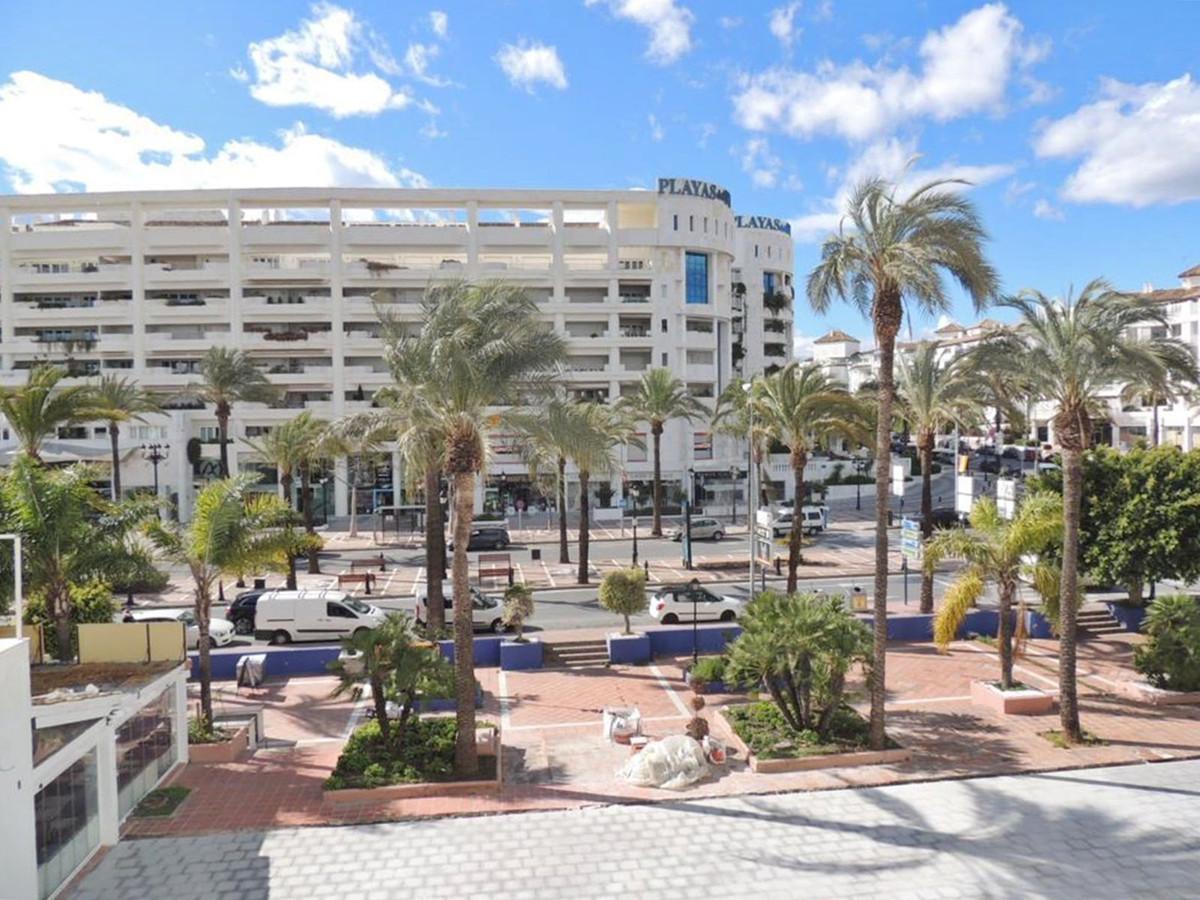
{"points": [[518, 606], [799, 648], [1170, 657], [624, 592]]}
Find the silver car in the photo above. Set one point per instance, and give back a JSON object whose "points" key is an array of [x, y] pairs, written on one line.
{"points": [[703, 529]]}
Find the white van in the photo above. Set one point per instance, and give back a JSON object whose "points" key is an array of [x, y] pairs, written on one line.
{"points": [[285, 616]]}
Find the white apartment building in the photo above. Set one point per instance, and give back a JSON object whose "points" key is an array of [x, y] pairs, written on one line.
{"points": [[142, 284]]}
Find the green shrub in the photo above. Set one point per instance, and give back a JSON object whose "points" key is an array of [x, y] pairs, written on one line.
{"points": [[200, 732], [1170, 656], [623, 592], [709, 669], [518, 606], [427, 755], [91, 602], [769, 736]]}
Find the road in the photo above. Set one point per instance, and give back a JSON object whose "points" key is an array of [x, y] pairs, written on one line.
{"points": [[1120, 831]]}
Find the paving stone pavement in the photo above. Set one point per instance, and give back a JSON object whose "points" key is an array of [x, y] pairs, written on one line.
{"points": [[1105, 832]]}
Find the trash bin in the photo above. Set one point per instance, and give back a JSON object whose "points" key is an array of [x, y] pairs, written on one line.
{"points": [[535, 554], [260, 584], [251, 669]]}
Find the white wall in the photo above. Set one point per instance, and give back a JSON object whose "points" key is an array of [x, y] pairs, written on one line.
{"points": [[18, 849]]}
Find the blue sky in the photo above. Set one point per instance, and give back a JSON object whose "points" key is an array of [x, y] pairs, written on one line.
{"points": [[1079, 123]]}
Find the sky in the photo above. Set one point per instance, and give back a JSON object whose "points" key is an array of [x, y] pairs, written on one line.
{"points": [[1078, 125]]}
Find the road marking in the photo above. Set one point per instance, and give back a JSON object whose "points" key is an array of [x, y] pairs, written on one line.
{"points": [[679, 705], [588, 724], [549, 577]]}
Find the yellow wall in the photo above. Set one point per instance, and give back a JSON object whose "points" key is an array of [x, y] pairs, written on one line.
{"points": [[119, 642], [33, 632]]}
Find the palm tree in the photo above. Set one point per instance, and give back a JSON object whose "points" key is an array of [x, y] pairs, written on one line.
{"points": [[38, 408], [115, 400], [931, 395], [895, 255], [288, 446], [994, 550], [233, 528], [1073, 351], [660, 397], [228, 377], [601, 431], [357, 437], [732, 417], [801, 407], [1156, 390], [482, 348]]}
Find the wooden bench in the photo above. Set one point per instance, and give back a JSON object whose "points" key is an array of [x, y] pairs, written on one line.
{"points": [[369, 563], [495, 565], [366, 579]]}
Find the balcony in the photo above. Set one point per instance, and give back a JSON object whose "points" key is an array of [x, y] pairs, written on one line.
{"points": [[86, 275], [774, 350], [157, 275]]}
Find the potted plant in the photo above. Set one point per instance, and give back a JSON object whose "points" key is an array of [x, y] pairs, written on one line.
{"points": [[623, 592], [518, 606]]}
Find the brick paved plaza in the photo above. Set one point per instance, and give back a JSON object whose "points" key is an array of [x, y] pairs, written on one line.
{"points": [[1108, 832]]}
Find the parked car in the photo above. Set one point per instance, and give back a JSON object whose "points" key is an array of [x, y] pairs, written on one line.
{"points": [[486, 537], [241, 611], [672, 605], [220, 631], [945, 517], [703, 529], [486, 611], [285, 616]]}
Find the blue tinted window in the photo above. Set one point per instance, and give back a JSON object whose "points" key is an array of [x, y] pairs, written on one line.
{"points": [[696, 267], [768, 282]]}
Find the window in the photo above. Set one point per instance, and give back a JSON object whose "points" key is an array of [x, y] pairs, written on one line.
{"points": [[768, 282], [664, 326], [337, 611], [701, 445], [675, 221], [696, 270], [756, 251], [691, 223], [145, 750], [67, 822], [706, 224], [210, 434], [664, 359]]}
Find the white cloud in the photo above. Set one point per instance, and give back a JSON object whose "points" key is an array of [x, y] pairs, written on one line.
{"points": [[1137, 144], [707, 130], [892, 159], [783, 23], [656, 129], [802, 344], [669, 24], [526, 64], [315, 65], [417, 58], [823, 12], [55, 136], [728, 22], [760, 163], [440, 23], [965, 68], [1044, 209]]}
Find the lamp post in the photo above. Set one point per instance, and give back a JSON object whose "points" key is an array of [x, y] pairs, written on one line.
{"points": [[860, 468], [154, 454], [17, 586], [633, 493], [694, 593], [751, 500], [687, 520]]}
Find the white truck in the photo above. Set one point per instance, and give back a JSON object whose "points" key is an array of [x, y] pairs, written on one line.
{"points": [[282, 617]]}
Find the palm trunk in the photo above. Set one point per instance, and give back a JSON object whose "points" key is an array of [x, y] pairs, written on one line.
{"points": [[1005, 635], [888, 316], [466, 760], [287, 482], [306, 501], [352, 472], [223, 436], [794, 558], [564, 552], [291, 572], [583, 528], [62, 631], [379, 699], [1154, 435], [203, 607], [925, 446], [114, 432], [1068, 701], [435, 552], [656, 523]]}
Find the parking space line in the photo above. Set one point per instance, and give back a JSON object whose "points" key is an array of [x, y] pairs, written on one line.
{"points": [[679, 705], [549, 577]]}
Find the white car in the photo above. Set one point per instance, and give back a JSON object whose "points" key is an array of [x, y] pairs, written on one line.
{"points": [[220, 631], [816, 520], [487, 613], [703, 529], [673, 604]]}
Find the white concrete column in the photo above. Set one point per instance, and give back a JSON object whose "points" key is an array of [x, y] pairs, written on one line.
{"points": [[558, 269], [613, 249], [106, 787], [341, 487], [336, 313], [479, 482], [397, 478], [137, 282], [235, 272], [18, 842], [7, 308], [472, 239], [180, 724]]}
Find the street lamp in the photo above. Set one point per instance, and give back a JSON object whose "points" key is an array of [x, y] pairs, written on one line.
{"points": [[154, 454], [860, 468], [17, 586], [687, 519], [751, 499], [694, 592], [633, 493]]}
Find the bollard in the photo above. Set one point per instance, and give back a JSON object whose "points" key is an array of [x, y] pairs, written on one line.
{"points": [[535, 553], [510, 576]]}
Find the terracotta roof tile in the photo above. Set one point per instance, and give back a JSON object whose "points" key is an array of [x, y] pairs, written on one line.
{"points": [[836, 337]]}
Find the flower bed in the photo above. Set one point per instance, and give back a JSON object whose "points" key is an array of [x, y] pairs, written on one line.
{"points": [[1019, 700], [366, 770], [770, 745], [220, 745]]}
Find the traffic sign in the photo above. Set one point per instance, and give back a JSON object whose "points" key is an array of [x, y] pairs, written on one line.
{"points": [[1006, 497], [910, 539], [899, 471], [964, 494]]}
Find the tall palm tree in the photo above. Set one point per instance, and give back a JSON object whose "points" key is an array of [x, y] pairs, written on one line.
{"points": [[39, 407], [229, 377], [115, 400], [931, 395], [733, 418], [552, 435], [659, 398], [1074, 351], [357, 437], [894, 255], [601, 431], [482, 348], [288, 446], [994, 550], [801, 407], [233, 528]]}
